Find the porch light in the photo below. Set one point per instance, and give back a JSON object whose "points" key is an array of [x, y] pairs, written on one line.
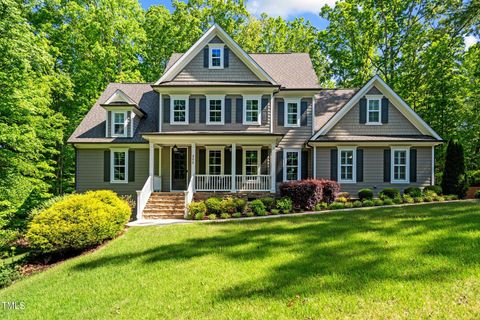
{"points": [[175, 148]]}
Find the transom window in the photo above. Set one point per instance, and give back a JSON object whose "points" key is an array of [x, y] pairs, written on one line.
{"points": [[251, 160], [291, 165], [251, 110], [119, 160], [119, 124], [215, 60], [292, 113], [346, 163], [373, 111], [179, 110], [215, 159], [399, 165], [215, 110]]}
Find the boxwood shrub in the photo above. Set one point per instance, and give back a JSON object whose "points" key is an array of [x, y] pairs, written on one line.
{"points": [[390, 193], [258, 207], [337, 205], [365, 194], [196, 207], [77, 222], [214, 205], [436, 189], [284, 205], [268, 202], [413, 191]]}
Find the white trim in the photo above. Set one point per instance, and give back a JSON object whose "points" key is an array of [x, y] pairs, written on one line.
{"points": [[112, 176], [222, 102], [234, 166], [273, 166], [354, 164], [271, 112], [179, 98], [160, 112], [259, 108], [374, 98], [170, 155], [408, 112], [285, 112], [222, 158], [119, 96], [284, 164], [259, 160], [212, 46], [195, 49], [407, 165], [314, 162], [125, 124], [433, 166]]}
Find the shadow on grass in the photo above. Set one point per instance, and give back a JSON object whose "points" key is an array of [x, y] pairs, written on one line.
{"points": [[341, 252]]}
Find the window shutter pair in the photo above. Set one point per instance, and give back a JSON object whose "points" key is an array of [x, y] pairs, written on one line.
{"points": [[334, 165], [107, 165], [166, 110], [387, 165], [363, 110], [226, 57], [203, 110]]}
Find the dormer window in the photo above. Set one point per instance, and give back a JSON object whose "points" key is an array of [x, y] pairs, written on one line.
{"points": [[215, 56], [373, 110], [119, 123]]}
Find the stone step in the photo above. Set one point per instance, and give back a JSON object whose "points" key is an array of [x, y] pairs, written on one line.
{"points": [[165, 205], [155, 216], [167, 210]]}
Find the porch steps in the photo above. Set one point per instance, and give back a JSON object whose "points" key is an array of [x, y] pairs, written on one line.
{"points": [[165, 205]]}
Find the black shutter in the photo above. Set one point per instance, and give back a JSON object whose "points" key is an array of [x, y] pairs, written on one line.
{"points": [[384, 110], [304, 114], [226, 54], [386, 165], [413, 165], [191, 111], [107, 123], [106, 166], [239, 110], [203, 110], [131, 165], [227, 161], [279, 166], [363, 110], [304, 164], [166, 110], [239, 158], [334, 164], [205, 57], [201, 161], [264, 161], [359, 165], [228, 110], [280, 112], [264, 111]]}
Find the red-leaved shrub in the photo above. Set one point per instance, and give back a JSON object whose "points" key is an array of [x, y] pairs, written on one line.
{"points": [[305, 194]]}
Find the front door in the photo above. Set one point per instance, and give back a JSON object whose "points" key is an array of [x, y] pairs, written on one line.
{"points": [[179, 169]]}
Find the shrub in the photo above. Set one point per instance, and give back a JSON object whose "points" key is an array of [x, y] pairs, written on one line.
{"points": [[214, 205], [343, 195], [408, 199], [284, 205], [398, 200], [305, 194], [258, 208], [228, 205], [249, 214], [451, 197], [473, 177], [240, 204], [477, 194], [8, 274], [418, 199], [368, 203], [337, 205], [429, 193], [211, 217], [348, 204], [390, 193], [321, 206], [330, 190], [237, 215], [454, 180], [196, 207], [275, 211], [365, 194], [341, 199], [77, 222], [378, 202], [225, 216], [357, 204], [436, 189], [438, 198], [268, 202], [201, 216], [428, 198], [388, 202], [413, 191]]}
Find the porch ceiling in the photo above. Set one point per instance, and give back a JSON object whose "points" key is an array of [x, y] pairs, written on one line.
{"points": [[206, 138]]}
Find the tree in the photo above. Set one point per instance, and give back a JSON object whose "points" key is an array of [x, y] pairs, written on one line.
{"points": [[453, 180]]}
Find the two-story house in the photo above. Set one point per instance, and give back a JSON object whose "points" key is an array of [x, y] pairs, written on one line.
{"points": [[223, 120]]}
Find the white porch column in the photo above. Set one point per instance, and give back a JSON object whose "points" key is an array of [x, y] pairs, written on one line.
{"points": [[433, 166], [234, 167], [273, 166], [193, 164], [160, 167], [314, 162], [151, 163]]}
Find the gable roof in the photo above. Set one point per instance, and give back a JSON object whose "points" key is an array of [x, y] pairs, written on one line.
{"points": [[215, 30], [328, 102], [398, 102], [119, 97]]}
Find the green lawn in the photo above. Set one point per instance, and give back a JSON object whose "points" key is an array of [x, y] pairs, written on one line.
{"points": [[414, 262]]}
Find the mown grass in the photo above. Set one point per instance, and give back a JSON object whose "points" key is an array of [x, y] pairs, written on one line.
{"points": [[415, 262]]}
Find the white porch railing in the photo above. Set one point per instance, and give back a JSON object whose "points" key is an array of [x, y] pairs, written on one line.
{"points": [[189, 195], [253, 183], [213, 182], [143, 196]]}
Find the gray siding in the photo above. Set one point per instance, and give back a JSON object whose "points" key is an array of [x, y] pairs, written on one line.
{"points": [[373, 169], [234, 126], [293, 137], [90, 172]]}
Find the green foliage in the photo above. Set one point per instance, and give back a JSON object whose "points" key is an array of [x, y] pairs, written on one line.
{"points": [[451, 197], [343, 195], [378, 202], [269, 203], [341, 199], [77, 222], [337, 205], [473, 177], [388, 202], [454, 181], [201, 216], [428, 198], [275, 211], [258, 208], [225, 216], [240, 204], [477, 194], [439, 198], [228, 205], [413, 191], [408, 198], [196, 207], [368, 203], [429, 193], [365, 194], [357, 204], [348, 205], [390, 193], [8, 274], [214, 205], [285, 205], [237, 215], [436, 189], [418, 199], [249, 214], [209, 217], [398, 200], [321, 206]]}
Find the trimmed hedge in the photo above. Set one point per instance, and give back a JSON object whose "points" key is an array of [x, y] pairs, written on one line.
{"points": [[305, 194], [365, 194], [77, 222], [390, 193]]}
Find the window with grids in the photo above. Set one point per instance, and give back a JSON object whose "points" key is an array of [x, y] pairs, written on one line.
{"points": [[346, 165], [179, 111], [119, 166], [292, 163], [292, 113], [400, 165], [215, 111], [251, 162], [373, 113], [214, 161], [119, 123], [216, 57], [252, 111]]}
